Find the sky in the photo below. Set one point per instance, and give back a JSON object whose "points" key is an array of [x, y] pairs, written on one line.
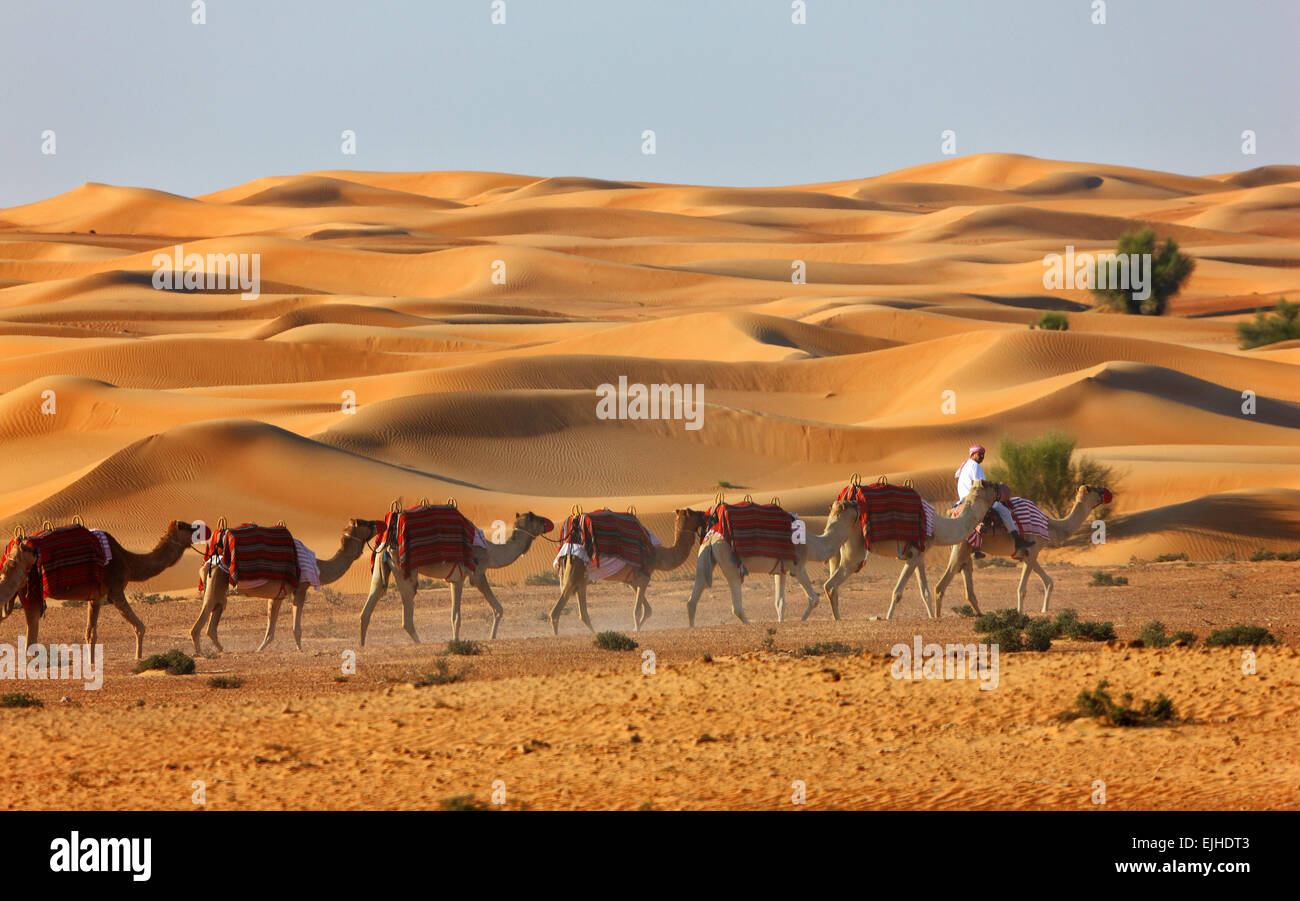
{"points": [[735, 92]]}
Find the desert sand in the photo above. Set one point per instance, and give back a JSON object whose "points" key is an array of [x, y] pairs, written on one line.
{"points": [[383, 289]]}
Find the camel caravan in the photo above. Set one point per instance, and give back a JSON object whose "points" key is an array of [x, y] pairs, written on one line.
{"points": [[437, 542]]}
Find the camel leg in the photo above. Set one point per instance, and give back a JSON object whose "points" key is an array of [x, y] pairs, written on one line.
{"points": [[568, 586], [299, 601], [955, 562], [582, 606], [33, 617], [800, 573], [899, 585], [703, 566], [272, 614], [407, 588], [92, 621], [216, 584], [479, 581], [968, 576], [457, 589], [378, 587], [217, 610], [642, 611], [1022, 586], [779, 578], [847, 564], [1044, 578], [734, 582], [118, 597], [926, 597], [832, 565]]}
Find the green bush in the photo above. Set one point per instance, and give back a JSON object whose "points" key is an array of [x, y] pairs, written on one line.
{"points": [[1054, 322], [828, 649], [1240, 635], [225, 682], [963, 610], [548, 577], [1170, 558], [1280, 325], [1001, 619], [1169, 269], [1102, 579], [463, 648], [1044, 470], [20, 699], [1098, 704], [442, 674], [1039, 634], [464, 802], [176, 663], [1153, 635], [614, 641]]}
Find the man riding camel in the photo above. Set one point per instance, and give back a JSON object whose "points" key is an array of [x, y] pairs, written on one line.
{"points": [[968, 473]]}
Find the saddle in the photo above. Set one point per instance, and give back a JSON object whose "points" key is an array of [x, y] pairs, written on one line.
{"points": [[429, 535]]}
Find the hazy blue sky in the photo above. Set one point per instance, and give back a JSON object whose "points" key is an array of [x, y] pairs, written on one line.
{"points": [[737, 94]]}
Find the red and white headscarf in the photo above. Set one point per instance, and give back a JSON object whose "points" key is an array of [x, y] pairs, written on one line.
{"points": [[974, 449]]}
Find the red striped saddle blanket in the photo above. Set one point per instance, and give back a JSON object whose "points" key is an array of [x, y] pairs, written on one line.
{"points": [[1028, 518], [890, 513], [604, 534], [252, 553], [756, 530], [68, 559], [429, 536]]}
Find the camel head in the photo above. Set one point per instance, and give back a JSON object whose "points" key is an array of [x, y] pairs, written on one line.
{"points": [[181, 532], [13, 577], [842, 512], [688, 520], [1093, 496], [983, 490], [361, 530], [532, 524]]}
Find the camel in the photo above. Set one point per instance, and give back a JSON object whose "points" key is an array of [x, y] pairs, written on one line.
{"points": [[688, 528], [123, 568], [216, 587], [1086, 499], [528, 526], [841, 522], [947, 530]]}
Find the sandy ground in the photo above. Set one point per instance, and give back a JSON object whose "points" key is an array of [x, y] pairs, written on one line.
{"points": [[444, 334], [567, 726]]}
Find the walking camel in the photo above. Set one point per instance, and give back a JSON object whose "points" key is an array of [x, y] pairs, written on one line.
{"points": [[123, 567], [216, 587], [841, 522], [1086, 499], [947, 530], [528, 526], [687, 529]]}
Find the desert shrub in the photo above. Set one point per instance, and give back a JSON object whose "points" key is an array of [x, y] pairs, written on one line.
{"points": [[1264, 554], [828, 649], [1039, 634], [1001, 619], [442, 674], [963, 610], [995, 561], [1045, 470], [1169, 269], [462, 648], [1153, 635], [1170, 558], [1098, 704], [1280, 325], [225, 682], [464, 802], [547, 577], [139, 597], [614, 641], [1054, 322], [176, 663], [1068, 625], [20, 699], [1240, 635], [1103, 579]]}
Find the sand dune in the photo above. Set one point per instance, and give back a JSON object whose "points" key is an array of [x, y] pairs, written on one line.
{"points": [[470, 317]]}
